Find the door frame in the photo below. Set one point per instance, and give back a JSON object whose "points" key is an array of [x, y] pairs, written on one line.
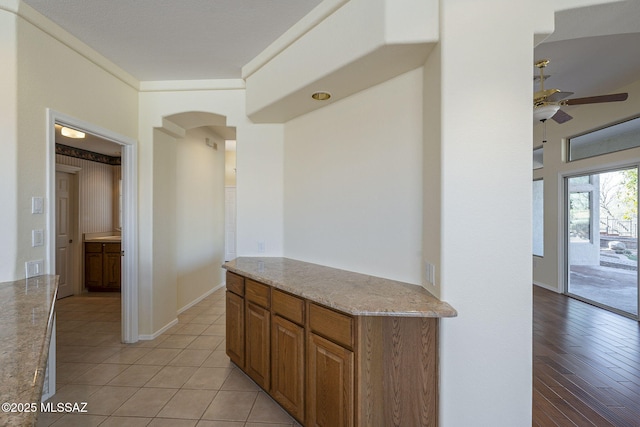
{"points": [[564, 215], [129, 287]]}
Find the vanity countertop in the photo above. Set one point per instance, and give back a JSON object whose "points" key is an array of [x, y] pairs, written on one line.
{"points": [[26, 324], [354, 293]]}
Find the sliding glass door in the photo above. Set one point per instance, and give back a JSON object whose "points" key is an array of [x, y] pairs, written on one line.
{"points": [[602, 239]]}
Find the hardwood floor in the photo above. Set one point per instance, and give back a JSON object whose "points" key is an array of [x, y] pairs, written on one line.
{"points": [[586, 364]]}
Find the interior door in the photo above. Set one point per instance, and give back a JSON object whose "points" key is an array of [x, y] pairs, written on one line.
{"points": [[602, 239], [64, 234]]}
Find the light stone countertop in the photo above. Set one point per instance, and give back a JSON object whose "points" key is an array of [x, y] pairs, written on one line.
{"points": [[353, 293], [26, 323]]}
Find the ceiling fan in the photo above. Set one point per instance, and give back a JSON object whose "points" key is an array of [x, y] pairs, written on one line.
{"points": [[547, 102]]}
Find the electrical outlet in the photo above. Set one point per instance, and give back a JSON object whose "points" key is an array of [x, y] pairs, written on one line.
{"points": [[37, 205], [430, 273], [34, 268], [261, 246]]}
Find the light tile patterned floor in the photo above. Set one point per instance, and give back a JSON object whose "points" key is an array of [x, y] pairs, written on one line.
{"points": [[182, 378]]}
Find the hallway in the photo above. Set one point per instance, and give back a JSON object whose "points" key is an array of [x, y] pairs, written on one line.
{"points": [[182, 378]]}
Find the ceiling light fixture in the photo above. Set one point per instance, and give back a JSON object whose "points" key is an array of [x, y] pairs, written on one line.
{"points": [[321, 96], [545, 112], [71, 133]]}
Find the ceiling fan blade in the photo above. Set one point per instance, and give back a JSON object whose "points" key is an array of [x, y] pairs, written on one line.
{"points": [[558, 96], [561, 117], [597, 99]]}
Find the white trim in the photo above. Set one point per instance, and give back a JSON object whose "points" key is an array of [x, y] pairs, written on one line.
{"points": [[156, 334], [130, 213], [545, 286], [200, 298], [188, 85]]}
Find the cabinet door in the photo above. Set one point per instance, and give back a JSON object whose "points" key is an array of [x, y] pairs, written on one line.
{"points": [[112, 266], [235, 328], [258, 362], [93, 269], [287, 366], [329, 384]]}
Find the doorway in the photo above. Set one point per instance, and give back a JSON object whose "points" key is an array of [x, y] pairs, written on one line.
{"points": [[601, 213], [129, 286]]}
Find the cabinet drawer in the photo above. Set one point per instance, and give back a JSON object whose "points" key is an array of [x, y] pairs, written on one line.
{"points": [[335, 326], [258, 293], [112, 248], [288, 306], [93, 247], [235, 283]]}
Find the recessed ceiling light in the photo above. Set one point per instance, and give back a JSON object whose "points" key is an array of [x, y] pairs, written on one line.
{"points": [[71, 133], [321, 96]]}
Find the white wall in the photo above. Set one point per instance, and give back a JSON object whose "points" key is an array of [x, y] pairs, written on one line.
{"points": [[199, 215], [353, 182], [9, 159], [485, 209], [548, 271], [259, 186], [76, 87]]}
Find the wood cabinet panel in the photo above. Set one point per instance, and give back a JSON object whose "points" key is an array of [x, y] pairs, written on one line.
{"points": [[330, 384], [102, 266], [287, 365], [235, 328], [235, 283], [288, 306], [258, 293], [257, 344], [335, 326]]}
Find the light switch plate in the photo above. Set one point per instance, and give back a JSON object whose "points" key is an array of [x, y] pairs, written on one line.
{"points": [[37, 238], [34, 268], [37, 205]]}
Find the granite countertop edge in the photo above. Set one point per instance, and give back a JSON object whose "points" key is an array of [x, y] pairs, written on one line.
{"points": [[341, 289]]}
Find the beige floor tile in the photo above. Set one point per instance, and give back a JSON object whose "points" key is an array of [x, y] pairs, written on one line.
{"points": [[230, 406], [66, 372], [106, 400], [171, 377], [100, 375], [158, 356], [127, 355], [239, 381], [100, 354], [268, 425], [205, 319], [191, 329], [208, 423], [208, 379], [187, 404], [215, 329], [206, 342], [73, 393], [45, 419], [177, 341], [149, 343], [265, 410], [189, 357], [146, 402], [135, 375], [126, 422], [172, 422], [185, 318], [218, 359], [79, 420]]}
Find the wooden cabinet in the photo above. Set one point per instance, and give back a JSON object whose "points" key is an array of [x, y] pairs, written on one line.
{"points": [[288, 353], [328, 368], [102, 266], [235, 328]]}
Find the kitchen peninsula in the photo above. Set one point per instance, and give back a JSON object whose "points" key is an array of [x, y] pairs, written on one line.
{"points": [[333, 347], [26, 316]]}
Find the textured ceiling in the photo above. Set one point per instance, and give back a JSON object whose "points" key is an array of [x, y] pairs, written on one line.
{"points": [[176, 39]]}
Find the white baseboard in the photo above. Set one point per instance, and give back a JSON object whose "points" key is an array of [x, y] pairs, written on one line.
{"points": [[159, 332], [549, 287], [200, 298]]}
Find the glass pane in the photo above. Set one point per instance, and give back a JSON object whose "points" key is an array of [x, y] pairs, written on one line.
{"points": [[538, 158], [538, 217], [580, 216], [618, 137], [603, 239]]}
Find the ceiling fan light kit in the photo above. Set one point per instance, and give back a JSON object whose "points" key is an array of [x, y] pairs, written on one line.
{"points": [[547, 102]]}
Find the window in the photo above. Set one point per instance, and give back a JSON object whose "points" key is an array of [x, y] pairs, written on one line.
{"points": [[618, 137], [580, 216], [538, 217], [538, 159]]}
